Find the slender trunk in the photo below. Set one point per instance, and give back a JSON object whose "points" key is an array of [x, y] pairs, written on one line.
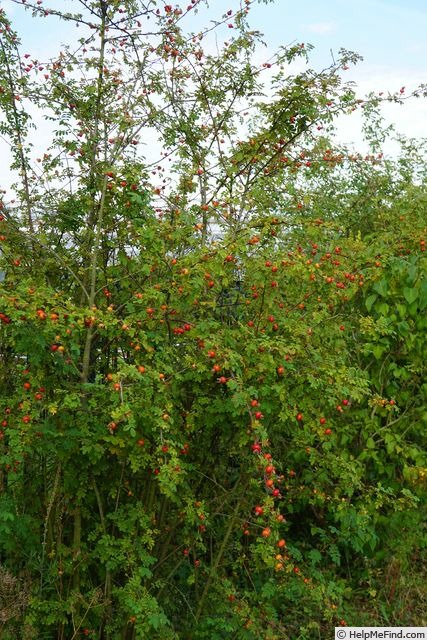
{"points": [[77, 536], [108, 581], [218, 559], [97, 213], [92, 275], [204, 200], [19, 146]]}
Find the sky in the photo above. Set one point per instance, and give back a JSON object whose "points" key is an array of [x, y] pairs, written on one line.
{"points": [[389, 34]]}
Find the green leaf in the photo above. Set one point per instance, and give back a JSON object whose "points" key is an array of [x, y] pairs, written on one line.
{"points": [[423, 295], [315, 556], [412, 274], [410, 294], [370, 301], [334, 554], [403, 328], [381, 287], [382, 308], [378, 351]]}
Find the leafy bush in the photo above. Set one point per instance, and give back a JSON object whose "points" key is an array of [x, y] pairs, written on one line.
{"points": [[212, 380]]}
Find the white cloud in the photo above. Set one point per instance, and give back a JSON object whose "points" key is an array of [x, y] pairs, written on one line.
{"points": [[321, 28], [408, 119]]}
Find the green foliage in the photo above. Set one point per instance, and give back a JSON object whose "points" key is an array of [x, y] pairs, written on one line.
{"points": [[212, 389]]}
